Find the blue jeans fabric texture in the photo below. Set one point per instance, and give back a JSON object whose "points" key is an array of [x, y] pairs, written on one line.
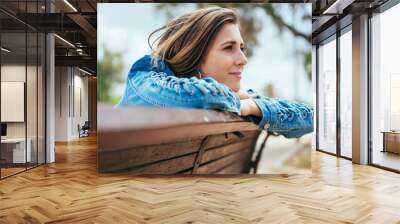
{"points": [[156, 85]]}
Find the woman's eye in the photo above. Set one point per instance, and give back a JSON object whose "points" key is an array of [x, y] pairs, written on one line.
{"points": [[228, 48]]}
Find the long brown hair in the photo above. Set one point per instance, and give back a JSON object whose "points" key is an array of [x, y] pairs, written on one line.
{"points": [[186, 38]]}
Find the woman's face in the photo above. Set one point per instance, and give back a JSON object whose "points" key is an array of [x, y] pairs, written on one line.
{"points": [[225, 60]]}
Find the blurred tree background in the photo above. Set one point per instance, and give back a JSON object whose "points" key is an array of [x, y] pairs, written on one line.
{"points": [[109, 73], [251, 26], [110, 67]]}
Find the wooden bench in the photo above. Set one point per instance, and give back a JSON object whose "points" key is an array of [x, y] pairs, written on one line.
{"points": [[391, 141], [140, 140]]}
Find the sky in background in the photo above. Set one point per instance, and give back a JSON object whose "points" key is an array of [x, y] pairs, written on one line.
{"points": [[125, 27]]}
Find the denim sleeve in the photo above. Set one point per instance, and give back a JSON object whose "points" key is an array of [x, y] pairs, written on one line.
{"points": [[160, 89], [290, 119]]}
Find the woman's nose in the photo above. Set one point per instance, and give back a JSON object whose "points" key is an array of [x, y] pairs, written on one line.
{"points": [[241, 59]]}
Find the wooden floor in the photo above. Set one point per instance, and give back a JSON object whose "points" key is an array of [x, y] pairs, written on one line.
{"points": [[70, 191], [10, 171]]}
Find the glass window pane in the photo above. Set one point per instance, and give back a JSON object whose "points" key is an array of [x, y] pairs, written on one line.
{"points": [[327, 97], [41, 98], [14, 153], [31, 96], [23, 87], [386, 89], [346, 94]]}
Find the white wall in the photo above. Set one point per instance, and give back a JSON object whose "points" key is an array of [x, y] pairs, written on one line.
{"points": [[33, 126], [61, 103], [71, 94], [12, 73]]}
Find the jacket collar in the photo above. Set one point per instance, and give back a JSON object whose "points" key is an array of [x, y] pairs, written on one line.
{"points": [[144, 64]]}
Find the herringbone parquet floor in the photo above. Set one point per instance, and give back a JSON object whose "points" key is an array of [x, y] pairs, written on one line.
{"points": [[70, 191]]}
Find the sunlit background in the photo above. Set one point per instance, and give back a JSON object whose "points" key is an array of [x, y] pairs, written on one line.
{"points": [[278, 42]]}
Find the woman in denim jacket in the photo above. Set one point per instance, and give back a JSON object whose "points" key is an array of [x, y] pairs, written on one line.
{"points": [[198, 63]]}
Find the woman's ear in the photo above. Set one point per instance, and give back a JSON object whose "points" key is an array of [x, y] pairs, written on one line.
{"points": [[199, 74]]}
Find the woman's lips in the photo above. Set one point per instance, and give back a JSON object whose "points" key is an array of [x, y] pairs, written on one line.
{"points": [[237, 74]]}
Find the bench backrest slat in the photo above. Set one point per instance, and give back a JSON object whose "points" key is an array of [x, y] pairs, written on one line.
{"points": [[162, 147]]}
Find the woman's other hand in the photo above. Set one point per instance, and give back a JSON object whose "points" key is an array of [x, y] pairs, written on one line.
{"points": [[249, 107]]}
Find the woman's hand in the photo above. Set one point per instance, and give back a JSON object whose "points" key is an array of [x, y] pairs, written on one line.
{"points": [[249, 107]]}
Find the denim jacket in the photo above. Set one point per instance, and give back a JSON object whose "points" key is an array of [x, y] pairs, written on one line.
{"points": [[149, 85]]}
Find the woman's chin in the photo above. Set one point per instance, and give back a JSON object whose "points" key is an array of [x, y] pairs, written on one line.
{"points": [[235, 88]]}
